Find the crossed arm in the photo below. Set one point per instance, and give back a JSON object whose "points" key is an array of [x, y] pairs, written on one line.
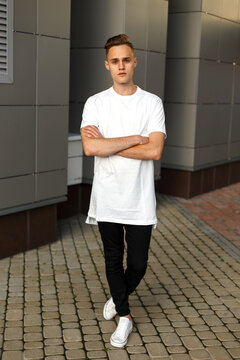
{"points": [[132, 147]]}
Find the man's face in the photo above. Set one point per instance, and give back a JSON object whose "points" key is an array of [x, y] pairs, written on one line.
{"points": [[121, 63]]}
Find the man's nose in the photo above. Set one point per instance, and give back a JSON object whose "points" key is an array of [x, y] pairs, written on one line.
{"points": [[121, 64]]}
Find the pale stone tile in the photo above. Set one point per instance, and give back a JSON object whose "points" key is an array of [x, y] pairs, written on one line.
{"points": [[192, 342], [170, 339], [33, 345], [70, 335], [52, 332], [35, 354], [156, 350], [13, 345], [12, 355], [146, 329], [199, 355], [14, 315], [54, 350], [118, 355], [218, 352], [13, 333], [75, 354]]}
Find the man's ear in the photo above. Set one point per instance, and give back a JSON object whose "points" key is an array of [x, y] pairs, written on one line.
{"points": [[106, 65], [135, 62]]}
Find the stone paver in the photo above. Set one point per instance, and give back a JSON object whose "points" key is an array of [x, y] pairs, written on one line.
{"points": [[75, 354], [70, 335], [118, 355], [199, 355], [219, 353], [36, 354], [139, 357], [11, 355], [187, 306], [156, 350]]}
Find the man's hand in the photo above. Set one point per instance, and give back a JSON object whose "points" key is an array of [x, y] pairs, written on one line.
{"points": [[92, 132], [143, 140]]}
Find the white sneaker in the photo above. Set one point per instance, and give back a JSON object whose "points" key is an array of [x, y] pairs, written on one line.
{"points": [[120, 336], [109, 310]]}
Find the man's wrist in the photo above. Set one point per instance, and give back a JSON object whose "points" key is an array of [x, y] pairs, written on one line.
{"points": [[138, 139]]}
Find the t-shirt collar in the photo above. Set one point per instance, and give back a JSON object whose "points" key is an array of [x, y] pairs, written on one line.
{"points": [[125, 96]]}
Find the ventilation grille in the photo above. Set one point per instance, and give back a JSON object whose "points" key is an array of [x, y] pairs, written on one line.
{"points": [[3, 37]]}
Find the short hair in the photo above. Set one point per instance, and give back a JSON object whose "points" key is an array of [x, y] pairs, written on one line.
{"points": [[120, 39]]}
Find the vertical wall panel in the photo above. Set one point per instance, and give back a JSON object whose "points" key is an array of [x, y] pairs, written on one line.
{"points": [[179, 118], [17, 190], [49, 23], [229, 41], [215, 82], [136, 22], [25, 20], [214, 85], [51, 184], [52, 75], [21, 142], [184, 35], [93, 22], [212, 117], [157, 25], [23, 90], [182, 80], [17, 145], [52, 134], [237, 85], [155, 73], [88, 73], [210, 36], [235, 133], [185, 5], [140, 70], [213, 7], [75, 114], [230, 9]]}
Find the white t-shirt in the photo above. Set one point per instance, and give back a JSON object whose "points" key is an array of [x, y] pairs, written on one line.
{"points": [[123, 189]]}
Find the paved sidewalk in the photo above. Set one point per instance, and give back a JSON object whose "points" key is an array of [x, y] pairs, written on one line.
{"points": [[221, 210], [186, 308]]}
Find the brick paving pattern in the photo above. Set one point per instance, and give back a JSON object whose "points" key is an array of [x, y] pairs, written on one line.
{"points": [[186, 308], [221, 210]]}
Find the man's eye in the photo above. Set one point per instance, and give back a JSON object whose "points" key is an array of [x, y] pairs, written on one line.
{"points": [[114, 61]]}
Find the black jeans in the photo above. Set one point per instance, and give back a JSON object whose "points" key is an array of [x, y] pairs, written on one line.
{"points": [[122, 283]]}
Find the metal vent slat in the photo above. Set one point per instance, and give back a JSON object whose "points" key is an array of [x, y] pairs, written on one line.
{"points": [[3, 37]]}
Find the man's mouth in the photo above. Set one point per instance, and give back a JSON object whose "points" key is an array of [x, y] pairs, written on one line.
{"points": [[121, 74]]}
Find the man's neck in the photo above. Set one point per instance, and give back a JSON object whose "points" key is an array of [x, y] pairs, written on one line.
{"points": [[125, 89]]}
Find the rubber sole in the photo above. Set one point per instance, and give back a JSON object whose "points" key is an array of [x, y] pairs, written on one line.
{"points": [[117, 344], [104, 313]]}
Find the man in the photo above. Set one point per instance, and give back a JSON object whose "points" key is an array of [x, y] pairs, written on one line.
{"points": [[123, 127]]}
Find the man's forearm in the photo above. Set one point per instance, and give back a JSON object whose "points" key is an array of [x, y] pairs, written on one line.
{"points": [[109, 146], [150, 151], [140, 152]]}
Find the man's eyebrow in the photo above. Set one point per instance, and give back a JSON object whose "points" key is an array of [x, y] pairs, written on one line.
{"points": [[125, 58]]}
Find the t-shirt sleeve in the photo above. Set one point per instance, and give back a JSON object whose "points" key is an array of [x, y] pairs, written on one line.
{"points": [[157, 118], [89, 116]]}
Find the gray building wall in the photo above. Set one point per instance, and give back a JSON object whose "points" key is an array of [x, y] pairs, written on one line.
{"points": [[34, 109], [92, 23], [202, 84]]}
